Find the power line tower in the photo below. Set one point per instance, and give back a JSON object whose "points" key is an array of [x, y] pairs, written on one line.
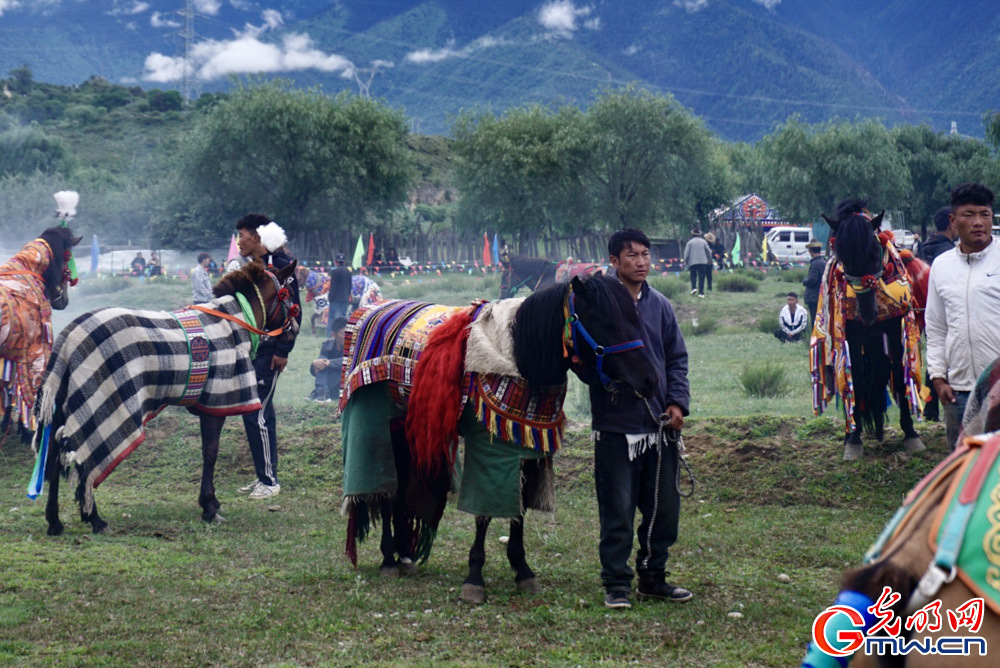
{"points": [[363, 76], [189, 83]]}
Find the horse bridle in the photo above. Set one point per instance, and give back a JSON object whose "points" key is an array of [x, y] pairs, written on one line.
{"points": [[283, 298], [862, 284], [574, 327]]}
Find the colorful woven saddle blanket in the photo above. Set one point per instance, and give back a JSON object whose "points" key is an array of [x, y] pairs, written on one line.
{"points": [[965, 533], [317, 285], [567, 270], [384, 343], [982, 413], [114, 369], [25, 329]]}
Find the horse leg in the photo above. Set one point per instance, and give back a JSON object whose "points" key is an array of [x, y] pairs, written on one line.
{"points": [[389, 567], [524, 577], [96, 523], [474, 587], [52, 503], [211, 429], [852, 442], [911, 440]]}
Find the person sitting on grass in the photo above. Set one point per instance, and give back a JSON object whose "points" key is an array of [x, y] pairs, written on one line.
{"points": [[326, 369], [792, 320]]}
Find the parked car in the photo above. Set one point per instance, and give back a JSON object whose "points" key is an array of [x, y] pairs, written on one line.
{"points": [[788, 244], [905, 239]]}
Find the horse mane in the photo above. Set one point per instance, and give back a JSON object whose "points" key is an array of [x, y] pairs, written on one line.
{"points": [[525, 263], [538, 325], [242, 280], [59, 239], [855, 243]]}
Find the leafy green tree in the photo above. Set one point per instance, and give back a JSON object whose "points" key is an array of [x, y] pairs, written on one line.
{"points": [[22, 79], [25, 150], [314, 163]]}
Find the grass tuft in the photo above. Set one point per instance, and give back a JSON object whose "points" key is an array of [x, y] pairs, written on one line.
{"points": [[737, 283], [766, 379]]}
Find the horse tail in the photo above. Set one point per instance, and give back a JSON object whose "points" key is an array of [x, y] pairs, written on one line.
{"points": [[436, 400]]}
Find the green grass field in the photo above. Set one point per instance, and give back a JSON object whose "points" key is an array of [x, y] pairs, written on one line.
{"points": [[272, 587]]}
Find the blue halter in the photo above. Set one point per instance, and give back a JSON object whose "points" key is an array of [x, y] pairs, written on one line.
{"points": [[576, 328]]}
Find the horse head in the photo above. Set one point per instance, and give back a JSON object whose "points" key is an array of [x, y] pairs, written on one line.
{"points": [[506, 274], [268, 290], [859, 252], [588, 325], [56, 276]]}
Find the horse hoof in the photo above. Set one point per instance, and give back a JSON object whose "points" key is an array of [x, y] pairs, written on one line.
{"points": [[219, 519], [406, 566], [530, 585], [474, 594], [55, 530], [852, 452], [914, 444], [389, 572]]}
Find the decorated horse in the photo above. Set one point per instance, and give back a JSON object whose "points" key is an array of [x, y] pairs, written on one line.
{"points": [[114, 369], [417, 375], [866, 332], [317, 287], [930, 589], [521, 271], [32, 283]]}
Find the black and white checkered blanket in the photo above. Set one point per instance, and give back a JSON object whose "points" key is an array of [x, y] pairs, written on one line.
{"points": [[114, 369]]}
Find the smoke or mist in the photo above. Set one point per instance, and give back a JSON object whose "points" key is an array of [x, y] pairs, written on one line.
{"points": [[424, 56]]}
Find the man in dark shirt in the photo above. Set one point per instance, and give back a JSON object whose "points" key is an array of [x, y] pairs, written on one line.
{"points": [[340, 293], [943, 241], [327, 367], [812, 281]]}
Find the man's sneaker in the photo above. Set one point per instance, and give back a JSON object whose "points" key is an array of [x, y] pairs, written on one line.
{"points": [[246, 489], [263, 491], [663, 591], [701, 296], [617, 600], [694, 291]]}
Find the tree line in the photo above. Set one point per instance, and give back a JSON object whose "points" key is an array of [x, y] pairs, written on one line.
{"points": [[153, 169]]}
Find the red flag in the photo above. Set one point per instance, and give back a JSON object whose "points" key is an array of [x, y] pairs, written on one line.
{"points": [[371, 249], [487, 256]]}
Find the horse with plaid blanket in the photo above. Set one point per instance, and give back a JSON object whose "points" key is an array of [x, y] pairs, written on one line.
{"points": [[114, 369], [32, 283], [417, 375]]}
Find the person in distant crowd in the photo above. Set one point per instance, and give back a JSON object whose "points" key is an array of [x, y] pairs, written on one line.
{"points": [[201, 281], [633, 469], [942, 242], [718, 252], [963, 305], [340, 293], [710, 240], [264, 241], [698, 260], [812, 281], [791, 321], [326, 369], [154, 268], [213, 268], [392, 257], [138, 264]]}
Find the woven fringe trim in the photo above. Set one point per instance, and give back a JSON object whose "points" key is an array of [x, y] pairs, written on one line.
{"points": [[547, 439], [638, 444], [12, 396]]}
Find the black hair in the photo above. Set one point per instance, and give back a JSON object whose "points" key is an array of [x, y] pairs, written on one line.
{"points": [[252, 221], [792, 294], [626, 236], [339, 323], [942, 219], [971, 193], [202, 257]]}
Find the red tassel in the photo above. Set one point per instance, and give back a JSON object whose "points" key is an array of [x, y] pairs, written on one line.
{"points": [[436, 400]]}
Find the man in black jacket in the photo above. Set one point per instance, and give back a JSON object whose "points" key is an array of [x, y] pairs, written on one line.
{"points": [[340, 293], [812, 281], [943, 241], [264, 242], [633, 468]]}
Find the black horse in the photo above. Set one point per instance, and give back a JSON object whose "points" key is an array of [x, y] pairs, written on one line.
{"points": [[39, 273], [606, 336], [521, 271], [114, 369], [874, 333]]}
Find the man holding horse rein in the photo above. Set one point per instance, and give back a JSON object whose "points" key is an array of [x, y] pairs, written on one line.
{"points": [[963, 305], [264, 242], [635, 466]]}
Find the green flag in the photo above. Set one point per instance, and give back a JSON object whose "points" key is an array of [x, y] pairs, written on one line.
{"points": [[359, 255], [737, 261]]}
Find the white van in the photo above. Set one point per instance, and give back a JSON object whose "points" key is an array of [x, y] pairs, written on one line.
{"points": [[788, 244]]}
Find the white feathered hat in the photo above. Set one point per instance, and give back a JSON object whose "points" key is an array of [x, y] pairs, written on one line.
{"points": [[272, 236], [66, 201]]}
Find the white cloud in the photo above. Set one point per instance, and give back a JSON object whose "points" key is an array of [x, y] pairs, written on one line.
{"points": [[559, 17], [424, 56], [210, 7], [691, 6], [158, 21], [632, 50], [272, 18], [7, 5], [769, 4]]}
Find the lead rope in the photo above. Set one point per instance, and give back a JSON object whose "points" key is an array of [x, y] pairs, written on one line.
{"points": [[665, 435]]}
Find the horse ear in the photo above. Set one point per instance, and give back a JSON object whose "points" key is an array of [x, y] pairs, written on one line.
{"points": [[577, 284], [287, 271], [834, 224], [75, 240], [877, 220]]}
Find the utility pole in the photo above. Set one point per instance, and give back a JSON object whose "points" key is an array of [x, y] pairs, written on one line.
{"points": [[359, 74], [189, 82]]}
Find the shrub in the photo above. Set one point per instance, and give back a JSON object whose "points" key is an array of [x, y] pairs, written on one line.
{"points": [[755, 274], [764, 380], [737, 283], [767, 323], [794, 275], [669, 286], [101, 286], [699, 326]]}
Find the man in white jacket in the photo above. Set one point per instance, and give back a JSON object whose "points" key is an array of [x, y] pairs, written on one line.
{"points": [[963, 305], [791, 320]]}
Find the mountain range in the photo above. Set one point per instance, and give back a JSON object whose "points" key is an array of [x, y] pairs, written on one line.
{"points": [[742, 65]]}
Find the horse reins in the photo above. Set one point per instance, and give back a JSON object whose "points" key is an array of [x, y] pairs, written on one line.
{"points": [[282, 297]]}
